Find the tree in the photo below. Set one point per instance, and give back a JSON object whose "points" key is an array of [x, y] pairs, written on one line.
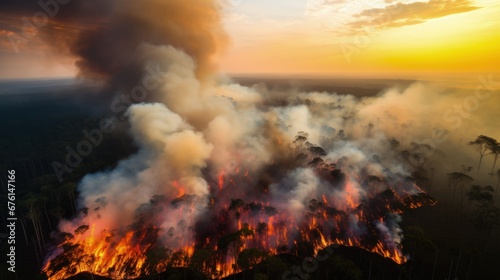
{"points": [[343, 268], [43, 200], [204, 261], [68, 189], [317, 151], [156, 257], [235, 205], [483, 145], [495, 151], [458, 179], [300, 139], [260, 276], [480, 194], [487, 216], [176, 276], [498, 182], [250, 257], [232, 243], [81, 229], [275, 267], [32, 203], [179, 258]]}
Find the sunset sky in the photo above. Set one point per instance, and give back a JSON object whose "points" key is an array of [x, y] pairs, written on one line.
{"points": [[376, 38]]}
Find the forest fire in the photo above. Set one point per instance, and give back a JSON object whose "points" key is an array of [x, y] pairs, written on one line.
{"points": [[225, 172], [366, 220]]}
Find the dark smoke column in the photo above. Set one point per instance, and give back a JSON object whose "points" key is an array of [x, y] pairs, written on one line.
{"points": [[110, 50]]}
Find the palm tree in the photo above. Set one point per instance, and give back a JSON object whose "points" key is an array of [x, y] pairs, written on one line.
{"points": [[483, 145]]}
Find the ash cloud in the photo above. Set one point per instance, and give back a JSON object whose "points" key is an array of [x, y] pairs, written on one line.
{"points": [[105, 36], [110, 51]]}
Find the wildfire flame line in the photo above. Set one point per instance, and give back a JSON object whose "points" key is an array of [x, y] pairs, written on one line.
{"points": [[131, 253]]}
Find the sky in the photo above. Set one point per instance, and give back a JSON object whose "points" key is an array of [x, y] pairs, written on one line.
{"points": [[431, 39]]}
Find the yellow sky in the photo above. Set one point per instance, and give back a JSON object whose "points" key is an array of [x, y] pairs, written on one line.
{"points": [[465, 41], [376, 38]]}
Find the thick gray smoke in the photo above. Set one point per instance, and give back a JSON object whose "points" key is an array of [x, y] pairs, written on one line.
{"points": [[112, 50]]}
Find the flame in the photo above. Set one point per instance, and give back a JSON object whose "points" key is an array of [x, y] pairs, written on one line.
{"points": [[221, 180], [179, 188], [143, 250]]}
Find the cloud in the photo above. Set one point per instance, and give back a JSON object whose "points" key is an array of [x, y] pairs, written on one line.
{"points": [[397, 15], [348, 17]]}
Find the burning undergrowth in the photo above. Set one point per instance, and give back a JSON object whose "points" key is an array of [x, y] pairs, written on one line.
{"points": [[223, 169]]}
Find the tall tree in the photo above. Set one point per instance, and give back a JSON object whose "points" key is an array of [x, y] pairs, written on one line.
{"points": [[32, 203], [458, 180], [495, 151], [68, 189], [498, 182], [487, 216], [248, 258], [483, 145]]}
